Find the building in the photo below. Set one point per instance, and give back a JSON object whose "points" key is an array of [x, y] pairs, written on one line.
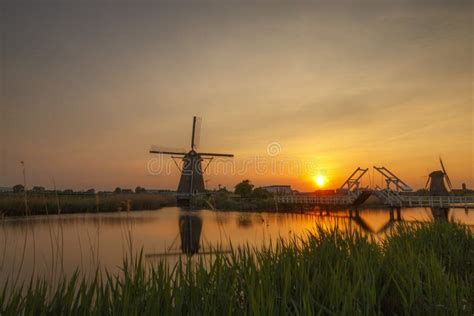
{"points": [[279, 189]]}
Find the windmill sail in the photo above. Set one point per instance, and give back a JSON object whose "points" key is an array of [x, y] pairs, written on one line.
{"points": [[446, 174], [167, 150], [216, 155], [427, 183], [196, 136]]}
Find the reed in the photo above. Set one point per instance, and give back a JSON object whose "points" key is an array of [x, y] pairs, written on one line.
{"points": [[41, 204], [421, 269]]}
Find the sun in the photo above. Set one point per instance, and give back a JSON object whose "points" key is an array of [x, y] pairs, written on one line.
{"points": [[320, 180]]}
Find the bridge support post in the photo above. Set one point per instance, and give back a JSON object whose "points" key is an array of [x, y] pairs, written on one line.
{"points": [[399, 216]]}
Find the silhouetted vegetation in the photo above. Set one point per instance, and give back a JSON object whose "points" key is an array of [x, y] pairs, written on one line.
{"points": [[18, 188], [261, 193], [424, 269], [139, 189], [244, 188], [70, 202], [249, 199]]}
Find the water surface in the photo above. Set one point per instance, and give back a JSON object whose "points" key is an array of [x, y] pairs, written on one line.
{"points": [[51, 245]]}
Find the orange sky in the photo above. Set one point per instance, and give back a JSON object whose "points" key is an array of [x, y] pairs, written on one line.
{"points": [[87, 88]]}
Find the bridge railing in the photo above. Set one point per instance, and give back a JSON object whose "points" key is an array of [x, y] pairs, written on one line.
{"points": [[436, 201], [390, 197], [309, 199]]}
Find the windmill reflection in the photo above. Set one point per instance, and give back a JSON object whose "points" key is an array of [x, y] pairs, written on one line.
{"points": [[190, 237], [190, 227], [440, 213]]}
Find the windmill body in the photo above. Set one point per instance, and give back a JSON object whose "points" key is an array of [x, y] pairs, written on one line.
{"points": [[192, 180], [437, 186], [437, 180]]}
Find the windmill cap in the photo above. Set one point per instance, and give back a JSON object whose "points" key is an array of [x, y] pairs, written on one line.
{"points": [[437, 173]]}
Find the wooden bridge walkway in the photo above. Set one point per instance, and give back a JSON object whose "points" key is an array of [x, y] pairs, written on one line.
{"points": [[388, 198], [395, 199]]}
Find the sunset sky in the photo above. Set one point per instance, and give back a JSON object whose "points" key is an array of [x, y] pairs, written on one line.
{"points": [[87, 87]]}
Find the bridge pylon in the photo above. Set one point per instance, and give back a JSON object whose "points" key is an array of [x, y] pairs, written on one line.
{"points": [[352, 185], [392, 179]]}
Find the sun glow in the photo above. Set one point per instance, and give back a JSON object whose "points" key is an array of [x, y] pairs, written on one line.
{"points": [[320, 180]]}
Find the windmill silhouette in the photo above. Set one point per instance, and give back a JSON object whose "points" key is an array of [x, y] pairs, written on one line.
{"points": [[437, 187], [192, 181], [436, 181]]}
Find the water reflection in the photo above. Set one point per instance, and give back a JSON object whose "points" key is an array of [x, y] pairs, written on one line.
{"points": [[440, 213], [190, 227], [41, 244], [244, 221], [356, 220]]}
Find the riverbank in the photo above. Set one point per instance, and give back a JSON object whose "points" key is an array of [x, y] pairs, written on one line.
{"points": [[233, 202], [225, 201], [43, 204], [419, 269]]}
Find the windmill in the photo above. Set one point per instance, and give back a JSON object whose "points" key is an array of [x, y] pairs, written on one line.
{"points": [[192, 181], [436, 181]]}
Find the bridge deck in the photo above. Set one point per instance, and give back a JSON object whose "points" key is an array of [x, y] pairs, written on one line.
{"points": [[434, 201], [315, 200], [389, 199]]}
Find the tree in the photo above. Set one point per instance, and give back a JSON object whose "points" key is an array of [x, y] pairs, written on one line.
{"points": [[90, 191], [244, 188], [223, 190], [38, 189], [118, 190], [19, 188], [139, 189], [261, 193]]}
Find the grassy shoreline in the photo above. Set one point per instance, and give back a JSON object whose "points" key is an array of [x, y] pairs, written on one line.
{"points": [[419, 269], [43, 204]]}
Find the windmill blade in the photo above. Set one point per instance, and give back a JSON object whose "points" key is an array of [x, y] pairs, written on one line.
{"points": [[427, 183], [216, 155], [446, 174], [196, 136], [167, 150]]}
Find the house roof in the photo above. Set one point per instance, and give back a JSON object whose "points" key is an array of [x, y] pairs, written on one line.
{"points": [[277, 186]]}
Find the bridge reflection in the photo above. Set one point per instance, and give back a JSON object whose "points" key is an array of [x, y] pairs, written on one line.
{"points": [[394, 216]]}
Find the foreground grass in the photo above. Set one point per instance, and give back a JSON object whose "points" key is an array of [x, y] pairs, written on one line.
{"points": [[423, 269]]}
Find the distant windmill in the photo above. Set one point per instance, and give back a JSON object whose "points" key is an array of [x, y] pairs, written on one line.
{"points": [[192, 180], [436, 181]]}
